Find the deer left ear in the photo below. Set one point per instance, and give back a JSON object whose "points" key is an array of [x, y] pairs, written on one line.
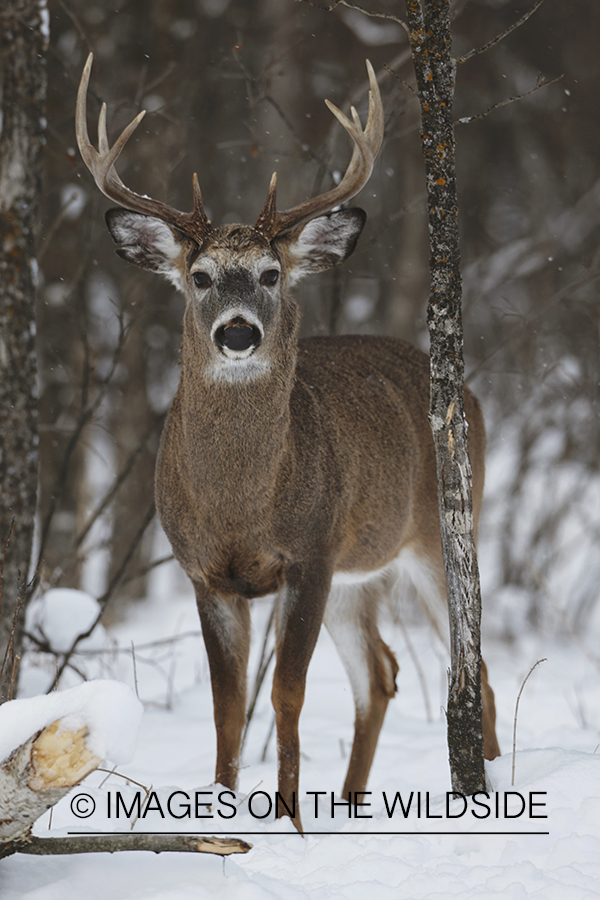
{"points": [[322, 243], [146, 242]]}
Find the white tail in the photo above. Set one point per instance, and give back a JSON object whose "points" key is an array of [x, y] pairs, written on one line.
{"points": [[288, 466]]}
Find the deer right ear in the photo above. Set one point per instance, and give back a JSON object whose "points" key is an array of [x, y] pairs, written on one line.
{"points": [[146, 242], [322, 243]]}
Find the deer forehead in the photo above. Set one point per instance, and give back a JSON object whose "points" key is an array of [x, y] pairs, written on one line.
{"points": [[241, 243], [237, 249]]}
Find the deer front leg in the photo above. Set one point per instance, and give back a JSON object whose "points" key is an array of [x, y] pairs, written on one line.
{"points": [[226, 631], [299, 617]]}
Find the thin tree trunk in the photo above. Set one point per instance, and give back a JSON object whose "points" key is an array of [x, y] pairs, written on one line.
{"points": [[24, 35], [430, 38]]}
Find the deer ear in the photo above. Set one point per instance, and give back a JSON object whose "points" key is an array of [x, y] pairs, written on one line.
{"points": [[321, 243], [146, 242]]}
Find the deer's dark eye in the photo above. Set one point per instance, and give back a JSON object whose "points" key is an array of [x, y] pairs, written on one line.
{"points": [[201, 279], [269, 277]]}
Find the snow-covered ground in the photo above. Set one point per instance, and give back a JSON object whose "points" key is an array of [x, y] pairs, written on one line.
{"points": [[557, 766]]}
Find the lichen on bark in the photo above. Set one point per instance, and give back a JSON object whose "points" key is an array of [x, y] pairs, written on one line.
{"points": [[430, 39]]}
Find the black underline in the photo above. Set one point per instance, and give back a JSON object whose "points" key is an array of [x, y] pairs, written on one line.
{"points": [[243, 834]]}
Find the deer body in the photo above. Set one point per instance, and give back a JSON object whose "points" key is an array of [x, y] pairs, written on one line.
{"points": [[301, 468]]}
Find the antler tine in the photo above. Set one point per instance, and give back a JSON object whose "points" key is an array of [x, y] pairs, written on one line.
{"points": [[375, 121], [101, 164], [103, 145], [366, 146]]}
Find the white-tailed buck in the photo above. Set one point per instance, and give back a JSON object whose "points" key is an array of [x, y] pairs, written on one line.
{"points": [[303, 468]]}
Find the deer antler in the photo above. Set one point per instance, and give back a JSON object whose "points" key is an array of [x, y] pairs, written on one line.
{"points": [[101, 164], [366, 146]]}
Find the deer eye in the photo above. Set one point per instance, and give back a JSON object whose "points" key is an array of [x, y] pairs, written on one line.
{"points": [[201, 279], [269, 277]]}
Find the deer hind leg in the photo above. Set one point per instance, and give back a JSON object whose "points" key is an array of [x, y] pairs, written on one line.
{"points": [[226, 631], [427, 574], [351, 619], [491, 748]]}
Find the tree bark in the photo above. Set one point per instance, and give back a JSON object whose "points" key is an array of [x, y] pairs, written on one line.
{"points": [[23, 47], [430, 39]]}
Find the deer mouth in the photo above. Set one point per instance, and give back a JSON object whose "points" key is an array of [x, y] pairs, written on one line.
{"points": [[237, 339]]}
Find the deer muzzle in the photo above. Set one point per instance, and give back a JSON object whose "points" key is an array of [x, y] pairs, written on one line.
{"points": [[237, 337]]}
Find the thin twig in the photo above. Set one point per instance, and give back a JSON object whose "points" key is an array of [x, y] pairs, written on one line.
{"points": [[121, 477], [87, 413], [10, 531], [416, 662], [263, 666], [265, 748], [260, 95], [542, 584], [150, 645], [104, 599], [76, 22], [499, 37], [514, 748], [135, 681], [126, 778], [367, 12], [526, 323], [540, 83], [143, 570], [399, 78], [10, 648], [13, 675]]}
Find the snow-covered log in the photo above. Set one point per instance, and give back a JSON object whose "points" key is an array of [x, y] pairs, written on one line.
{"points": [[49, 744], [37, 775]]}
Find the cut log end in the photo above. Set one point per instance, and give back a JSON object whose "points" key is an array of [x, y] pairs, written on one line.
{"points": [[60, 758]]}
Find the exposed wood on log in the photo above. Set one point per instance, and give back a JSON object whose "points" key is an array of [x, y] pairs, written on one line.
{"points": [[37, 775], [41, 771]]}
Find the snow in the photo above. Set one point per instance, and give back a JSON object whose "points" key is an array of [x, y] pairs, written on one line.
{"points": [[558, 760], [62, 614], [109, 709]]}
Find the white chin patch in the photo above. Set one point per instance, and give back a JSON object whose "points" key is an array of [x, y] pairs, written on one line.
{"points": [[238, 366]]}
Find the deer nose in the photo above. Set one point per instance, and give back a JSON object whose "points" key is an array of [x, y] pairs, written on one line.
{"points": [[238, 336]]}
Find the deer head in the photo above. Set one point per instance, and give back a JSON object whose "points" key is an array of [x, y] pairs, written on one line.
{"points": [[235, 277]]}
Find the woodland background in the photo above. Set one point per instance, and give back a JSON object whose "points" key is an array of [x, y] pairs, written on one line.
{"points": [[234, 90]]}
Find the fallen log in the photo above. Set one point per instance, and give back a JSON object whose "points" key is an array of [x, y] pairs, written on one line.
{"points": [[39, 773]]}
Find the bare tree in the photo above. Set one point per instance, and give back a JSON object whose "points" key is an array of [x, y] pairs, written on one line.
{"points": [[24, 25], [430, 39]]}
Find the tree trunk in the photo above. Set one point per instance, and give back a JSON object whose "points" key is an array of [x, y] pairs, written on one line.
{"points": [[430, 39], [24, 25]]}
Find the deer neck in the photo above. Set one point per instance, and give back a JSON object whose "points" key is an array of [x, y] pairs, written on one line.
{"points": [[234, 435]]}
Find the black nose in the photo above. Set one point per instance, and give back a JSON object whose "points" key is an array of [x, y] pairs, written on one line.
{"points": [[237, 335]]}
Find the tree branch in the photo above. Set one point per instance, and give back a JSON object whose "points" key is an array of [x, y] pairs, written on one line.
{"points": [[114, 843], [540, 83], [107, 595], [367, 12], [499, 37]]}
